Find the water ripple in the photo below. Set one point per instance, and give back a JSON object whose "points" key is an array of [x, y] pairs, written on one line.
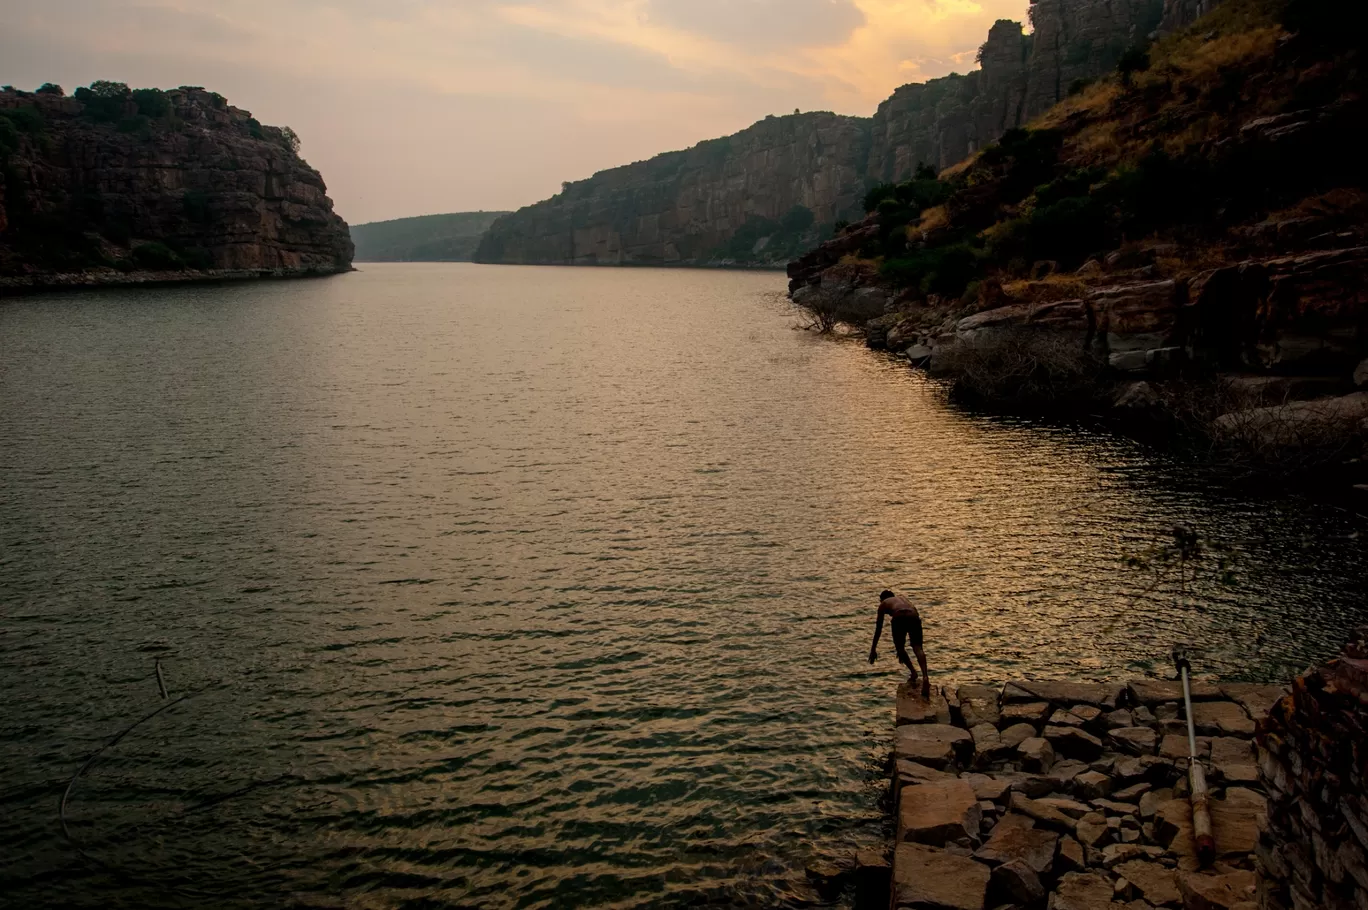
{"points": [[537, 588]]}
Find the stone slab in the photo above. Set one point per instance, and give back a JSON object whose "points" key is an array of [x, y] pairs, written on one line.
{"points": [[1082, 891], [1216, 892], [1134, 740], [1062, 694], [938, 746], [1157, 884], [926, 878], [1030, 712], [1234, 823], [939, 813], [1258, 700], [1222, 718], [913, 709], [1151, 692], [1017, 839]]}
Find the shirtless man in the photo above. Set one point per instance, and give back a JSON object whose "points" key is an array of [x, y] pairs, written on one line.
{"points": [[906, 623]]}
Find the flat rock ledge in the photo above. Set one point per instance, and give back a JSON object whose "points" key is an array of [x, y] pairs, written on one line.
{"points": [[1073, 796]]}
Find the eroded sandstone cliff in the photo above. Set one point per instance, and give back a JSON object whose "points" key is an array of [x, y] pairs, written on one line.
{"points": [[147, 185], [725, 201], [683, 207]]}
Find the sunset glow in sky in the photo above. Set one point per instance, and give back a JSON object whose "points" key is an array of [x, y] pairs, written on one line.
{"points": [[412, 107]]}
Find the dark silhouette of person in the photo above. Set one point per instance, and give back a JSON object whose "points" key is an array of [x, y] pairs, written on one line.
{"points": [[906, 624]]}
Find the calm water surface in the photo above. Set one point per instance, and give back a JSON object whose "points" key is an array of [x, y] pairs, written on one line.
{"points": [[503, 587]]}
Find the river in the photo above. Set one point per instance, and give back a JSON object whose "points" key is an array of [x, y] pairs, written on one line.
{"points": [[515, 587]]}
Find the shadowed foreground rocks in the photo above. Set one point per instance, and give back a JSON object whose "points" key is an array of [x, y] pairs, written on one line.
{"points": [[1073, 796]]}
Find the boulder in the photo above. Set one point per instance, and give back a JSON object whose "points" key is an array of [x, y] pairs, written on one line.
{"points": [[1296, 425], [1137, 317], [1031, 712], [1312, 314], [1157, 884], [1134, 740], [937, 746], [1070, 857], [979, 705], [925, 878], [1074, 743], [873, 873], [913, 709], [1082, 891], [1118, 719], [989, 788], [1037, 755], [1235, 825], [1258, 700], [1216, 892], [1018, 882], [1017, 734], [938, 813], [1046, 815], [1092, 785], [1070, 807], [1361, 375], [1016, 839], [1221, 718], [919, 355], [911, 773], [1234, 759]]}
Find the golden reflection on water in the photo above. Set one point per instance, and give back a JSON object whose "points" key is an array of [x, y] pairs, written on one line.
{"points": [[541, 587]]}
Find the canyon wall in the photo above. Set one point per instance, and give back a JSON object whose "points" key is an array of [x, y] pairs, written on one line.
{"points": [[723, 201], [150, 182], [682, 206]]}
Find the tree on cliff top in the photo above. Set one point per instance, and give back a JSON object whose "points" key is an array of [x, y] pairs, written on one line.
{"points": [[291, 139]]}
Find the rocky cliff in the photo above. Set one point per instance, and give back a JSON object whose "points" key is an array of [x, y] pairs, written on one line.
{"points": [[724, 202], [116, 185], [685, 207], [1184, 243]]}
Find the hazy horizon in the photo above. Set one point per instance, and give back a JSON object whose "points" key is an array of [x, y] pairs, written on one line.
{"points": [[412, 107]]}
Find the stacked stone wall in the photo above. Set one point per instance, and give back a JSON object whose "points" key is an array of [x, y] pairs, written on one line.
{"points": [[1312, 752]]}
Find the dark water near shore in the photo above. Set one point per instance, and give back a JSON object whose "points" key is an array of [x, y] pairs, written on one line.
{"points": [[536, 587]]}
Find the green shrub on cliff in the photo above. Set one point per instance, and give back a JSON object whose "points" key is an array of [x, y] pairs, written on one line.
{"points": [[155, 257], [946, 271], [151, 102], [105, 101]]}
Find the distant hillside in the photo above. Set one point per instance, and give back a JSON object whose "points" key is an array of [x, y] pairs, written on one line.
{"points": [[429, 238]]}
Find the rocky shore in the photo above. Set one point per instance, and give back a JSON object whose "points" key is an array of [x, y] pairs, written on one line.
{"points": [[1156, 248], [1049, 795], [1073, 796], [14, 286]]}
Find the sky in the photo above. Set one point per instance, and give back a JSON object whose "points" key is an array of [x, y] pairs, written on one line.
{"points": [[413, 107]]}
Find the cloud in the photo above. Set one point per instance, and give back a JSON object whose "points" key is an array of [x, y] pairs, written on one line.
{"points": [[413, 106], [761, 23]]}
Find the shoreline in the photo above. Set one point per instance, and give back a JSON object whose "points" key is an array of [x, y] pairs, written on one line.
{"points": [[25, 286], [1071, 794]]}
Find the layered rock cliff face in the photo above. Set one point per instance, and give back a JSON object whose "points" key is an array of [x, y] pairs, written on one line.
{"points": [[689, 207], [682, 207], [155, 184], [1186, 244], [945, 120]]}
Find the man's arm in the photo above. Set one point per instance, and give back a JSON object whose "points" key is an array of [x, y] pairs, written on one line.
{"points": [[878, 630]]}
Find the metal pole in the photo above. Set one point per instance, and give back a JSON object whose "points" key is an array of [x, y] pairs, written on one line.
{"points": [[1201, 797]]}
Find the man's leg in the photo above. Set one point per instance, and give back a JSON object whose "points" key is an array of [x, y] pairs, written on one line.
{"points": [[900, 645], [926, 676]]}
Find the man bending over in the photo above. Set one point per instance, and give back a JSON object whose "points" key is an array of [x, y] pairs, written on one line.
{"points": [[906, 624]]}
